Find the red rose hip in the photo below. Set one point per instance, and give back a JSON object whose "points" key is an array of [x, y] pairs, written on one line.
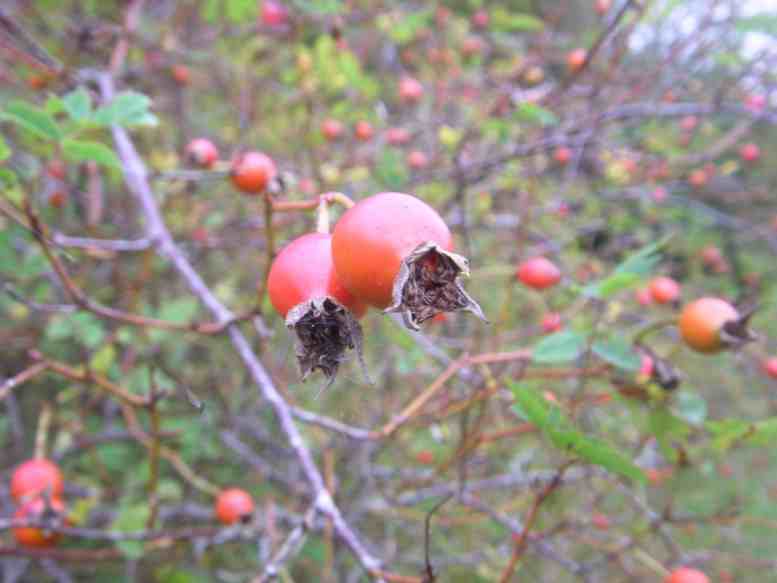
{"points": [[393, 251], [35, 477], [305, 290], [234, 505]]}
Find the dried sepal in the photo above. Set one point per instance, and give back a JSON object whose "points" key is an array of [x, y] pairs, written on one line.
{"points": [[324, 330], [734, 334], [429, 283]]}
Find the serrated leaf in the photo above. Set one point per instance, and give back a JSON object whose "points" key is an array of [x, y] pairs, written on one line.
{"points": [[33, 119], [128, 108], [82, 151], [560, 347], [597, 452], [691, 407], [77, 104], [550, 419], [629, 272], [618, 353], [533, 113], [5, 151], [507, 21]]}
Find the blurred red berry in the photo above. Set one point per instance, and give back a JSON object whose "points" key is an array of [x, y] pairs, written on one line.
{"points": [[664, 290], [202, 152], [538, 273], [686, 575], [234, 505], [551, 322]]}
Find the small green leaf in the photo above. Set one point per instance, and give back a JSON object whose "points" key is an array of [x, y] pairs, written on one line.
{"points": [[691, 407], [506, 21], [559, 347], [81, 151], [5, 151], [602, 454], [131, 518], [618, 352], [128, 108], [33, 119], [629, 272], [390, 170], [77, 104], [533, 113], [103, 359]]}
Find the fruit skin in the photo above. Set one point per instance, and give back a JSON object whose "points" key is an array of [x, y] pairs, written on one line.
{"points": [[363, 131], [664, 290], [551, 322], [30, 536], [234, 505], [481, 19], [686, 575], [202, 152], [417, 160], [701, 322], [575, 60], [34, 477], [643, 296], [410, 90], [57, 169], [562, 155], [304, 270], [538, 273], [750, 153], [698, 178], [274, 13], [252, 172], [371, 239], [602, 6], [397, 136], [332, 129], [770, 367], [181, 74]]}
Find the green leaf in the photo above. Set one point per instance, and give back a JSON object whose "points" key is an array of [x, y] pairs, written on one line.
{"points": [[319, 6], [390, 170], [506, 21], [597, 452], [533, 113], [88, 328], [33, 119], [668, 430], [8, 179], [131, 518], [128, 108], [726, 432], [549, 418], [691, 407], [411, 23], [77, 104], [5, 151], [618, 352], [629, 272], [563, 346], [81, 151], [103, 359]]}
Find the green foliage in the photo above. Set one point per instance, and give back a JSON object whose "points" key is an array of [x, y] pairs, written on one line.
{"points": [[84, 151], [390, 170], [32, 119], [630, 272], [564, 436], [565, 346], [507, 21], [132, 517], [618, 352]]}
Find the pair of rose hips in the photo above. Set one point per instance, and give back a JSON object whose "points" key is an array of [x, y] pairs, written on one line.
{"points": [[390, 251], [37, 486]]}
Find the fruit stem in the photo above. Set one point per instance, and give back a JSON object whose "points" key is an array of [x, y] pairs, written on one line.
{"points": [[322, 215], [652, 327], [44, 421]]}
